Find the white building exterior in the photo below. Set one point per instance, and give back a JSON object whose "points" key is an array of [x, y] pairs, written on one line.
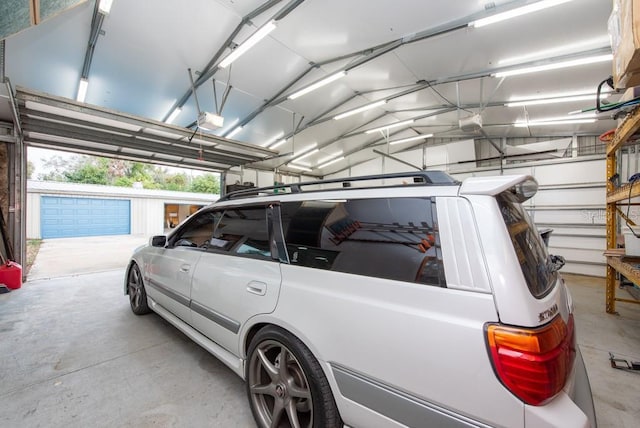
{"points": [[148, 208]]}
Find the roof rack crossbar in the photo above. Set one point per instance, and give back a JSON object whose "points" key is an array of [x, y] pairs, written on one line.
{"points": [[424, 178]]}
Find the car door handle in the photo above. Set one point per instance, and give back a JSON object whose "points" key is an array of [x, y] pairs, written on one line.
{"points": [[257, 287], [185, 268]]}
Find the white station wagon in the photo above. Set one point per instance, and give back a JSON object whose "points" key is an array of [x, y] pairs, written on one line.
{"points": [[381, 301]]}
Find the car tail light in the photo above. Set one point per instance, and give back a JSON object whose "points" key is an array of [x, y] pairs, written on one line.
{"points": [[533, 364]]}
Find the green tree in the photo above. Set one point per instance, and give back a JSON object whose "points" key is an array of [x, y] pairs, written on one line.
{"points": [[55, 167], [89, 170], [205, 183], [30, 169], [176, 182]]}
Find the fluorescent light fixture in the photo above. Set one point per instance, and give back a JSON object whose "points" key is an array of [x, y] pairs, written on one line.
{"points": [[333, 156], [278, 144], [318, 84], [305, 150], [307, 154], [248, 44], [234, 132], [558, 50], [519, 11], [174, 114], [82, 90], [300, 167], [272, 140], [303, 163], [559, 120], [104, 7], [406, 140], [360, 109], [331, 162], [555, 66], [393, 125], [554, 100], [524, 124]]}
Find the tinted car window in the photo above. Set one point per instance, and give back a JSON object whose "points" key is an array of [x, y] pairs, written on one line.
{"points": [[530, 249], [393, 238], [242, 231], [195, 233]]}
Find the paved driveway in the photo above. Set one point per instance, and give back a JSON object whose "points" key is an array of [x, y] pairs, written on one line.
{"points": [[74, 256]]}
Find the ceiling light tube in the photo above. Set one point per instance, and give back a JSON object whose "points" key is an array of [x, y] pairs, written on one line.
{"points": [[524, 123], [248, 44], [601, 41], [554, 100], [299, 158], [393, 125], [82, 90], [406, 140], [333, 156], [318, 84], [300, 167], [234, 132], [519, 11], [555, 66], [306, 149], [174, 114], [277, 144], [104, 7], [360, 109], [272, 140], [331, 162]]}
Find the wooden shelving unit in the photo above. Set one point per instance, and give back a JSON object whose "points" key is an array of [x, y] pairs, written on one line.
{"points": [[617, 261]]}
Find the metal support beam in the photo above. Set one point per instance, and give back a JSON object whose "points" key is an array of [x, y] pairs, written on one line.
{"points": [[385, 155]]}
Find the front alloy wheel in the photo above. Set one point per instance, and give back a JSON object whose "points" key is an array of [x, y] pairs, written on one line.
{"points": [[137, 293]]}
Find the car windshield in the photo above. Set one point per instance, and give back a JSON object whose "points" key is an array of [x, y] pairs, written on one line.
{"points": [[536, 265]]}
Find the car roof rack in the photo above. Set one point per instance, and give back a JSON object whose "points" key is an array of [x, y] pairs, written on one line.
{"points": [[421, 178]]}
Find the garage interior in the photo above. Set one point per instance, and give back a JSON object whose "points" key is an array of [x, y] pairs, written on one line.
{"points": [[332, 89]]}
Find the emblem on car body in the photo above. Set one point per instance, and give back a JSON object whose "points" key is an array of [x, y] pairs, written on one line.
{"points": [[545, 315]]}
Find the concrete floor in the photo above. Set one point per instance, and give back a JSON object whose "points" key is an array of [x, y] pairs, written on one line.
{"points": [[73, 354]]}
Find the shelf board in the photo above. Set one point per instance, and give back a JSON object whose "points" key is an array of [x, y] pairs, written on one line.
{"points": [[630, 271], [625, 131], [622, 193]]}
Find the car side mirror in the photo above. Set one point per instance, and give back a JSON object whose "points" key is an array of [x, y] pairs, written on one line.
{"points": [[158, 241]]}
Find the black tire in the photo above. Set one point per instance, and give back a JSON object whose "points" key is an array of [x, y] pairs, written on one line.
{"points": [[136, 291], [300, 392]]}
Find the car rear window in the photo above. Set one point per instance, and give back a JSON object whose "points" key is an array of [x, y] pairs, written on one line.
{"points": [[393, 238], [530, 249]]}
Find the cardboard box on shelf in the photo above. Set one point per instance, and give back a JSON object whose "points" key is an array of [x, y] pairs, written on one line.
{"points": [[624, 30]]}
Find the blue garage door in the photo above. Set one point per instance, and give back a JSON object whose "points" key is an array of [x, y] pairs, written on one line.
{"points": [[62, 217]]}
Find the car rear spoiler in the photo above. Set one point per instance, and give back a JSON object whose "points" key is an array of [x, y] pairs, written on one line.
{"points": [[523, 186]]}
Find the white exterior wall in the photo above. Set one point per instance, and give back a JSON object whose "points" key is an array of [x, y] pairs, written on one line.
{"points": [[33, 216]]}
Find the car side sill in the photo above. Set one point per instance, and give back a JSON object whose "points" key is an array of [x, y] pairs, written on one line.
{"points": [[230, 360], [395, 404]]}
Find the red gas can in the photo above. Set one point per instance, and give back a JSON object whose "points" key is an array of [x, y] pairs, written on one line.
{"points": [[11, 275]]}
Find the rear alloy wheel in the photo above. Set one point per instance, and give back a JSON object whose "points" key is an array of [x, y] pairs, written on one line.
{"points": [[137, 294], [286, 385]]}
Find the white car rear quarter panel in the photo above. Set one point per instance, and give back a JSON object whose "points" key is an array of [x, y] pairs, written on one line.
{"points": [[425, 340]]}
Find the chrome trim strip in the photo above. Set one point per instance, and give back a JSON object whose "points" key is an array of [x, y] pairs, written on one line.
{"points": [[395, 404], [183, 300], [223, 321]]}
